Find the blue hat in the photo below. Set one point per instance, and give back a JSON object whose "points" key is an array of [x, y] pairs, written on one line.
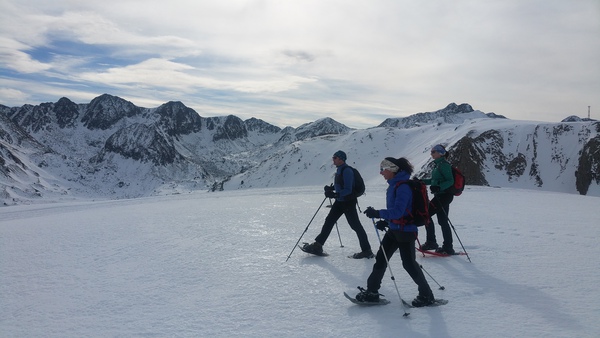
{"points": [[341, 155], [439, 149]]}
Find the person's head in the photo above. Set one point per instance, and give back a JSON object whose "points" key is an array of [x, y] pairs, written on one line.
{"points": [[438, 151], [339, 158], [391, 166]]}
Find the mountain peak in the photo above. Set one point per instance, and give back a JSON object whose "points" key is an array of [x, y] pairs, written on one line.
{"points": [[320, 127], [452, 113], [106, 110], [575, 118]]}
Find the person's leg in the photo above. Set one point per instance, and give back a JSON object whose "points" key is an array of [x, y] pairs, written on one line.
{"points": [[354, 222], [430, 241], [389, 246], [336, 211], [442, 216], [406, 246]]}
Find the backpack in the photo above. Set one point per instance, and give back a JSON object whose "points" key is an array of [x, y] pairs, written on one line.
{"points": [[420, 204], [358, 188], [459, 182]]}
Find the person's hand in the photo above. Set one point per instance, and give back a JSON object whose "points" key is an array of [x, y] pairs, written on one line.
{"points": [[330, 194], [381, 225], [328, 188], [371, 213], [434, 189]]}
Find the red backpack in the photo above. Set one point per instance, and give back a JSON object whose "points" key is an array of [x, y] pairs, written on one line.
{"points": [[459, 182]]}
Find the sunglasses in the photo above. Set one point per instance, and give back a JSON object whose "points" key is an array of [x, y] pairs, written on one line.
{"points": [[335, 157]]}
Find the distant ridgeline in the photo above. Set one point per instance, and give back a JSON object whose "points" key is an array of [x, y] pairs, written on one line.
{"points": [[111, 148]]}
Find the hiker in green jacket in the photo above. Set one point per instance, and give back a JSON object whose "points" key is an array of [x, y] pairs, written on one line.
{"points": [[441, 179]]}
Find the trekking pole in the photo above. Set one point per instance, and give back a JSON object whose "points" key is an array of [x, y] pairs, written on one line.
{"points": [[288, 257], [452, 225], [441, 287], [336, 227], [390, 268]]}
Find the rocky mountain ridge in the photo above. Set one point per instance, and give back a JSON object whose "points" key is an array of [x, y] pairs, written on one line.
{"points": [[111, 148]]}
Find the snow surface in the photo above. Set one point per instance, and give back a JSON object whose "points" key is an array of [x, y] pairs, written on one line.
{"points": [[214, 265]]}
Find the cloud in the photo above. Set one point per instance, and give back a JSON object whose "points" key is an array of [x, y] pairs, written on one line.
{"points": [[177, 76], [11, 94], [13, 57], [532, 58]]}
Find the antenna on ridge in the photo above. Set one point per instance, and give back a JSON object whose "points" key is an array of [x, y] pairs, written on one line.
{"points": [[588, 112]]}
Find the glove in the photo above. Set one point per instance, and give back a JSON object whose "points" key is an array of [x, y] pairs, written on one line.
{"points": [[329, 188], [371, 213], [330, 194], [381, 225], [434, 189]]}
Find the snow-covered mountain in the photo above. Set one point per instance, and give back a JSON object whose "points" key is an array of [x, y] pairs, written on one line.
{"points": [[453, 114], [111, 148]]}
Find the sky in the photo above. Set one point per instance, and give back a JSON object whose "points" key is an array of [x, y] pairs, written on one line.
{"points": [[214, 265], [292, 62]]}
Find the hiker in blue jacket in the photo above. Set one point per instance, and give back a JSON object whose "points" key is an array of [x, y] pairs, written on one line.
{"points": [[401, 235], [345, 204]]}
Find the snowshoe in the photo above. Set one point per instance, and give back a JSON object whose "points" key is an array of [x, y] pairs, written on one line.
{"points": [[364, 254]]}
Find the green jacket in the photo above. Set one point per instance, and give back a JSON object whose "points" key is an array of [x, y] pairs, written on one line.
{"points": [[441, 175]]}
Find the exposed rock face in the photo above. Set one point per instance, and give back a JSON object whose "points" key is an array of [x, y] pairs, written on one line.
{"points": [[516, 167], [141, 143], [67, 113], [468, 158], [260, 126], [588, 170], [177, 119], [106, 110], [232, 129]]}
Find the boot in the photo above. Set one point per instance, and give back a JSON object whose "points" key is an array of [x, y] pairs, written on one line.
{"points": [[367, 296], [447, 250], [364, 254], [314, 248], [429, 246], [421, 301]]}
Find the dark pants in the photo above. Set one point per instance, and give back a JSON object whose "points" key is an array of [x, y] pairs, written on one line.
{"points": [[347, 208], [405, 243], [440, 206]]}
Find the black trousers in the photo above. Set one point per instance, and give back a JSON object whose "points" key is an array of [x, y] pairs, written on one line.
{"points": [[405, 243], [440, 206], [338, 209]]}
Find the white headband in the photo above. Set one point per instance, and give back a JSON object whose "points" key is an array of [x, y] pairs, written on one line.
{"points": [[385, 164]]}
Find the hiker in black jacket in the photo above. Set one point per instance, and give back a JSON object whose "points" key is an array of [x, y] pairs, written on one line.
{"points": [[345, 204]]}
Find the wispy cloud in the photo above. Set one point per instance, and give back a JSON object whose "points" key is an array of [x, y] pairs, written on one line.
{"points": [[289, 62]]}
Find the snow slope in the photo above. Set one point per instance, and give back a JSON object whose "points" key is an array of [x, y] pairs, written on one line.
{"points": [[214, 265]]}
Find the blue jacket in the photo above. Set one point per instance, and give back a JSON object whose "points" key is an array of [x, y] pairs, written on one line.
{"points": [[398, 201], [347, 180]]}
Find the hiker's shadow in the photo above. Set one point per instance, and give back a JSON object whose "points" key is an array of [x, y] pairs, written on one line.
{"points": [[529, 297], [351, 275]]}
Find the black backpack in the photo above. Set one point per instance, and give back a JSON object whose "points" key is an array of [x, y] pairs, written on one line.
{"points": [[419, 215], [358, 188]]}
